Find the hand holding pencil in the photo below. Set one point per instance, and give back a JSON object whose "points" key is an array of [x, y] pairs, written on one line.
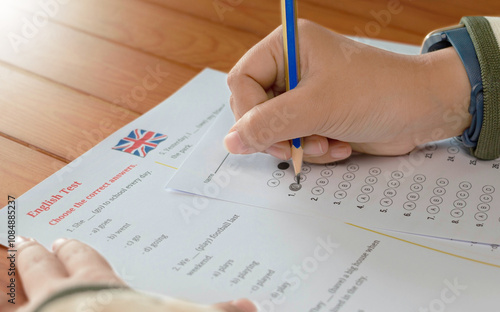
{"points": [[350, 97]]}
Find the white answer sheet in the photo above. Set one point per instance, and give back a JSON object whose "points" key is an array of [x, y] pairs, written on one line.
{"points": [[437, 190], [206, 250]]}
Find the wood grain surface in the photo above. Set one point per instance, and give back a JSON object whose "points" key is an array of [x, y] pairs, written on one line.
{"points": [[69, 82]]}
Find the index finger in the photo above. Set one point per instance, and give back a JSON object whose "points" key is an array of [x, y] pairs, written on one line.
{"points": [[258, 71]]}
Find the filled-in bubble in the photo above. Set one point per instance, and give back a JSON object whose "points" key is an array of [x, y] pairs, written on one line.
{"points": [[295, 187], [283, 165]]}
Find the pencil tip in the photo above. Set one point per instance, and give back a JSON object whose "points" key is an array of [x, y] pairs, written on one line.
{"points": [[297, 178]]}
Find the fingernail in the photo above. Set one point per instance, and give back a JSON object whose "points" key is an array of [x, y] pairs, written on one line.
{"points": [[340, 152], [313, 148], [21, 240], [57, 243], [244, 305], [276, 152], [235, 145]]}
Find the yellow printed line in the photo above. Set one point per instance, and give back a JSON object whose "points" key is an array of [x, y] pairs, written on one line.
{"points": [[166, 165], [427, 247]]}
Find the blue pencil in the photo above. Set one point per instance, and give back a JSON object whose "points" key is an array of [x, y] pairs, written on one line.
{"points": [[292, 68]]}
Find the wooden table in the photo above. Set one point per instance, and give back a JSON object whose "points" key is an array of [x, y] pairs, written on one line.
{"points": [[68, 68]]}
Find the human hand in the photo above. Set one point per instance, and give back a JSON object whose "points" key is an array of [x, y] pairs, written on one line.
{"points": [[351, 97], [73, 263], [70, 264]]}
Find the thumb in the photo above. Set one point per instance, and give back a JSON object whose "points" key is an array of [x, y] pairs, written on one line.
{"points": [[275, 120]]}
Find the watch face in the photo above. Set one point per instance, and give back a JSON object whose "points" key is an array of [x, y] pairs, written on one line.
{"points": [[439, 45]]}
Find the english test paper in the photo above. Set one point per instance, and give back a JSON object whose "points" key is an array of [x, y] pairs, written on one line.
{"points": [[206, 250]]}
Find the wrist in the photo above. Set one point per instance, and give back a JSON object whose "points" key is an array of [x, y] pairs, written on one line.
{"points": [[446, 96]]}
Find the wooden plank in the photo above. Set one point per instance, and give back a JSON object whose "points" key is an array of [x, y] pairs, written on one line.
{"points": [[154, 29], [255, 16], [353, 24], [21, 168], [421, 10], [55, 118], [107, 70], [419, 17], [351, 17], [262, 16]]}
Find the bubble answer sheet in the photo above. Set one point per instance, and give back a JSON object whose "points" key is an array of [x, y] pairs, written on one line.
{"points": [[437, 190], [113, 198]]}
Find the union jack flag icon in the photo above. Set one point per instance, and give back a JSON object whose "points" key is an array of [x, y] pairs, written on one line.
{"points": [[140, 142]]}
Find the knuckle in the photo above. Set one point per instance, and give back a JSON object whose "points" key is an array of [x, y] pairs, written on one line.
{"points": [[234, 107], [257, 133], [73, 250], [39, 259], [303, 23], [233, 77], [26, 246], [231, 102], [230, 78]]}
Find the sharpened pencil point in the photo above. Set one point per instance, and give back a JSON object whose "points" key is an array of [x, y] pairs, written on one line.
{"points": [[297, 156]]}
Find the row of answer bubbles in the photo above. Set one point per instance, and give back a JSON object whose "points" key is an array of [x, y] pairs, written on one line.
{"points": [[415, 189], [391, 189], [368, 188], [345, 184], [278, 174], [484, 206]]}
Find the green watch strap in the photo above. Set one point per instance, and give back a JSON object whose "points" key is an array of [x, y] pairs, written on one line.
{"points": [[488, 53]]}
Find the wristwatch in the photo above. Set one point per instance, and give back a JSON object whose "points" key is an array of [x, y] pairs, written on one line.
{"points": [[458, 37]]}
